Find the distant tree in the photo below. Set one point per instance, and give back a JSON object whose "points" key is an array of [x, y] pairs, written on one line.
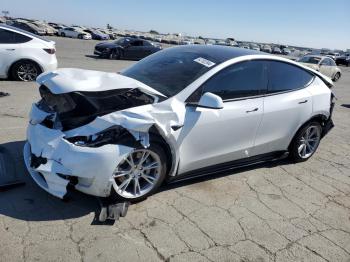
{"points": [[153, 32], [200, 37], [109, 26]]}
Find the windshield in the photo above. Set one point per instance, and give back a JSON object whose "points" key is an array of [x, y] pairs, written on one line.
{"points": [[170, 71], [310, 59]]}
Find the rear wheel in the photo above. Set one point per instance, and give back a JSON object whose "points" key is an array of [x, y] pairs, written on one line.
{"points": [[336, 77], [306, 142], [63, 34], [25, 70], [140, 174]]}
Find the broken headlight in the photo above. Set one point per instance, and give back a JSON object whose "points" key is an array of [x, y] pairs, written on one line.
{"points": [[112, 135]]}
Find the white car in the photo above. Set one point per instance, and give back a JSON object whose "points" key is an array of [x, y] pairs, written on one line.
{"points": [[74, 32], [181, 112], [323, 64], [23, 55]]}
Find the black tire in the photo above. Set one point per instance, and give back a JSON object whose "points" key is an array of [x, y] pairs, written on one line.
{"points": [[63, 34], [296, 142], [80, 36], [25, 70], [115, 54], [336, 77], [157, 149]]}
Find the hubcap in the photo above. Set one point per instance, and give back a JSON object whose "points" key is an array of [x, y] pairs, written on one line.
{"points": [[27, 72], [137, 174], [309, 141]]}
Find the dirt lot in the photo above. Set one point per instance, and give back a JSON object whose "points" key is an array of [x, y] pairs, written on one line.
{"points": [[272, 212]]}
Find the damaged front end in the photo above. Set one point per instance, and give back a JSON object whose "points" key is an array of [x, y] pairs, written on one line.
{"points": [[78, 137]]}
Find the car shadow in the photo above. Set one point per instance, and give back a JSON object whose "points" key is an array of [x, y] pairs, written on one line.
{"points": [[346, 105], [31, 203], [96, 57]]}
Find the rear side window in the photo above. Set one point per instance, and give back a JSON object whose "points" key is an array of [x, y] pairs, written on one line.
{"points": [[286, 77], [238, 81], [9, 37]]}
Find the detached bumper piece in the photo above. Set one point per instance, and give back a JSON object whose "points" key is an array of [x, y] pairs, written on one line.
{"points": [[112, 211], [328, 125]]}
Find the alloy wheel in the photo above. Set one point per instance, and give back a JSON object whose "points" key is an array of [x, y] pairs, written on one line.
{"points": [[27, 72], [137, 174], [309, 141]]}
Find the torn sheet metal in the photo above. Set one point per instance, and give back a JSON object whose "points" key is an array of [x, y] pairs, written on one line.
{"points": [[65, 159]]}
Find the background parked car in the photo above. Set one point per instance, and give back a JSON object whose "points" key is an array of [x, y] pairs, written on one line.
{"points": [[286, 51], [276, 50], [254, 47], [266, 49], [343, 60], [24, 55], [27, 26], [48, 29], [74, 33], [126, 48], [323, 64], [333, 55], [97, 35]]}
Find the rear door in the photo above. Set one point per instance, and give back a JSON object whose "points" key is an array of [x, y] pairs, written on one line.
{"points": [[10, 44], [287, 105], [214, 136]]}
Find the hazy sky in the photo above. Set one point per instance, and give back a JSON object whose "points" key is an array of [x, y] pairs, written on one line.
{"points": [[312, 23]]}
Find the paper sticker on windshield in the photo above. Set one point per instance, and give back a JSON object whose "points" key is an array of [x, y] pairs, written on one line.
{"points": [[204, 62]]}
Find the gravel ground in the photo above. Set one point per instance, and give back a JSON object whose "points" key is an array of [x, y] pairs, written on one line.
{"points": [[272, 212]]}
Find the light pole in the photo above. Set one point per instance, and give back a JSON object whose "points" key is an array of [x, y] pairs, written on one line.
{"points": [[5, 13]]}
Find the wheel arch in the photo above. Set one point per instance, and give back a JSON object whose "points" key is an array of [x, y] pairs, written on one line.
{"points": [[9, 70], [171, 156], [320, 118]]}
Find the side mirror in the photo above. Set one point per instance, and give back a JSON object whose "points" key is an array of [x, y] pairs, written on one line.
{"points": [[210, 100]]}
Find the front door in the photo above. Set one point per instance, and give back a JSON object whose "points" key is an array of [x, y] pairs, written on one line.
{"points": [[214, 136]]}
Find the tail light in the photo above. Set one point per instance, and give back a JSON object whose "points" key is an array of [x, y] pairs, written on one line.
{"points": [[50, 51]]}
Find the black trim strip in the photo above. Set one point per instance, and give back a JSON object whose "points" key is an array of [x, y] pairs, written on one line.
{"points": [[228, 166]]}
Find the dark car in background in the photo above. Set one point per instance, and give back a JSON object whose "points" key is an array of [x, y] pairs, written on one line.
{"points": [[126, 48], [343, 60]]}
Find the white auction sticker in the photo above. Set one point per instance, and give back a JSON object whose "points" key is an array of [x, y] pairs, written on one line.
{"points": [[204, 62]]}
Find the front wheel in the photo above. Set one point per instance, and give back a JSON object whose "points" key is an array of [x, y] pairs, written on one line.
{"points": [[115, 54], [140, 174], [306, 142]]}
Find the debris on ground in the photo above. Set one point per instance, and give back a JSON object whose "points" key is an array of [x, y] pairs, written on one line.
{"points": [[2, 94], [112, 211], [8, 177]]}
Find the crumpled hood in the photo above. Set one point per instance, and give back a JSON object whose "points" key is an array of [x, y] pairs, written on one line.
{"points": [[66, 80]]}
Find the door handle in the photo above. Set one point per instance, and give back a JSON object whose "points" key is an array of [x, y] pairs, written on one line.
{"points": [[249, 111], [10, 49], [303, 102]]}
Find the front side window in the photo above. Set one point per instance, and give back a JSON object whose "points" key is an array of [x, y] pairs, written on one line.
{"points": [[9, 37], [240, 80], [286, 77]]}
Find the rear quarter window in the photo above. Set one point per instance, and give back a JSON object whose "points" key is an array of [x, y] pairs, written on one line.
{"points": [[286, 77], [9, 37]]}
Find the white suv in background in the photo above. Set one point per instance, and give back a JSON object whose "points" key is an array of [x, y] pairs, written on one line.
{"points": [[23, 55]]}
